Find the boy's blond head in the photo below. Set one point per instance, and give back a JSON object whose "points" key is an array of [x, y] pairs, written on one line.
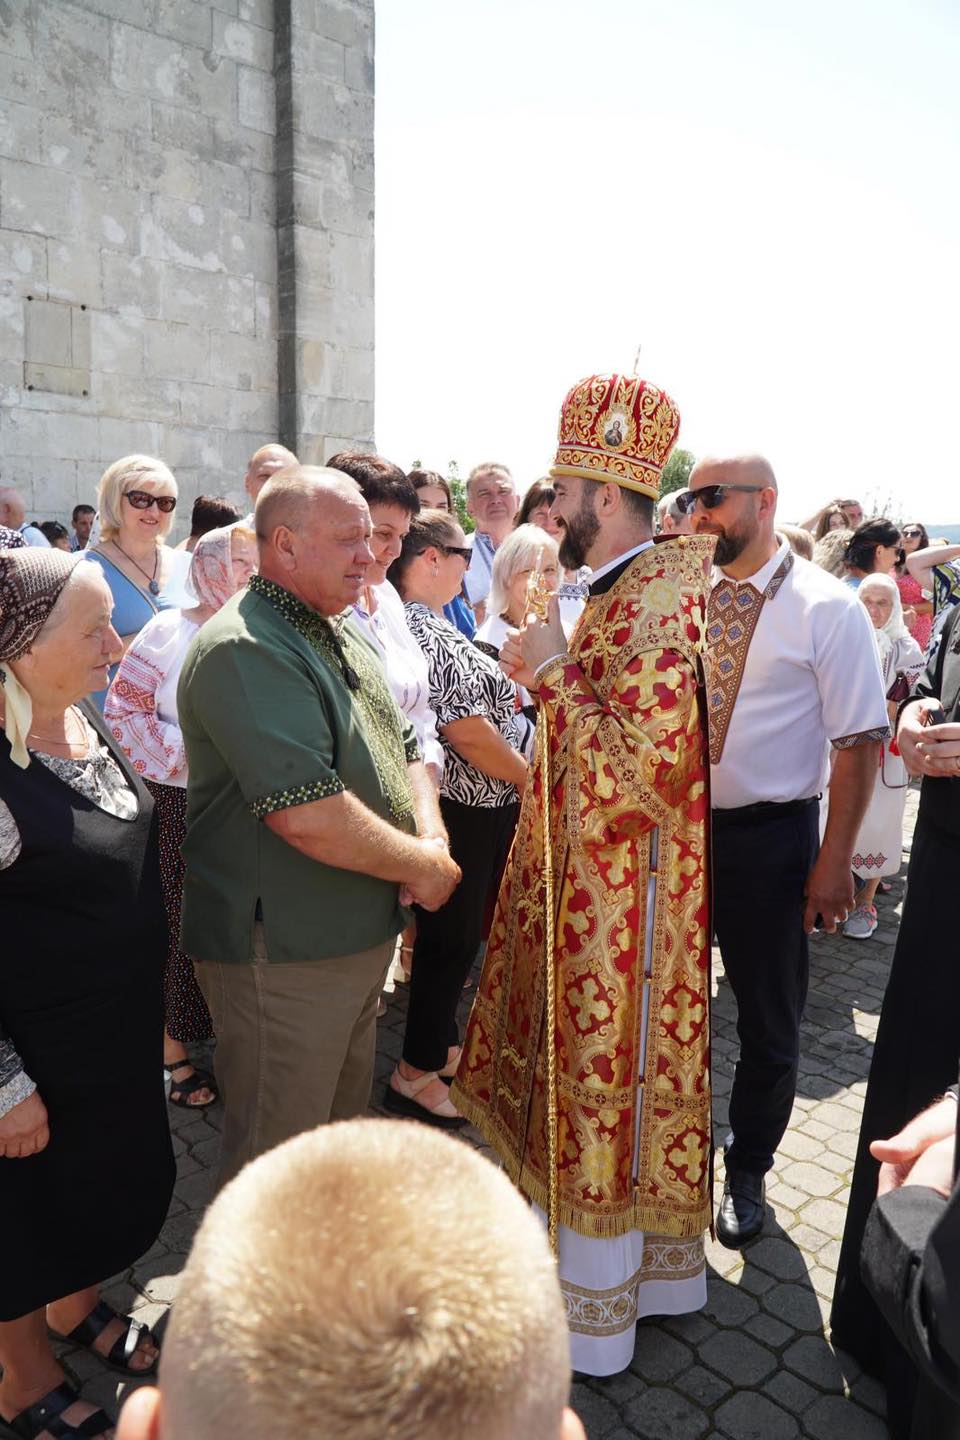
{"points": [[368, 1279]]}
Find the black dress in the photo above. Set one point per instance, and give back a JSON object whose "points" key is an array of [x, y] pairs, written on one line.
{"points": [[81, 969], [917, 1050]]}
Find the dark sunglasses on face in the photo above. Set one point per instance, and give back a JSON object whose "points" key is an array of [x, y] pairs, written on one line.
{"points": [[913, 533], [463, 551], [710, 496], [140, 500]]}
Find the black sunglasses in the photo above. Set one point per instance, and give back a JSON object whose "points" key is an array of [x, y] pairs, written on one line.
{"points": [[914, 533], [140, 500], [463, 551], [710, 496]]}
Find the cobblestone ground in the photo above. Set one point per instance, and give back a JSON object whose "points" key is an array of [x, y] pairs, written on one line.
{"points": [[755, 1364]]}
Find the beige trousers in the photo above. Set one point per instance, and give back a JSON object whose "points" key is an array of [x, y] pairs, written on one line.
{"points": [[295, 1044]]}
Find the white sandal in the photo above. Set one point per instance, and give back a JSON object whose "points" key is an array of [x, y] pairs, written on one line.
{"points": [[401, 1097]]}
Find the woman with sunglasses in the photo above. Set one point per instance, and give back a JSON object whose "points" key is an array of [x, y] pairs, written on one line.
{"points": [[917, 606], [483, 778], [873, 549], [136, 500]]}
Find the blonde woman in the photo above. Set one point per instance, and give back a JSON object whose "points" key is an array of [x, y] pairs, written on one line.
{"points": [[136, 500], [525, 550], [141, 711]]}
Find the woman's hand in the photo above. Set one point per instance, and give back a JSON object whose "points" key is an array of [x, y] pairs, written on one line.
{"points": [[932, 750], [24, 1129]]}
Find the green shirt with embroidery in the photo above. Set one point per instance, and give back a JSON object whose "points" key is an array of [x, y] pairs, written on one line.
{"points": [[278, 707]]}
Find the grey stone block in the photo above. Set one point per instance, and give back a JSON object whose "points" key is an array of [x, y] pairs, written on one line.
{"points": [[832, 1416], [37, 199], [728, 1305], [813, 1358], [778, 1257], [739, 1358], [657, 1356], [795, 1305], [241, 41], [176, 352], [116, 343], [772, 1332], [598, 1415], [788, 1390], [186, 20], [661, 1414], [749, 1416], [20, 131], [703, 1387], [132, 283], [257, 100]]}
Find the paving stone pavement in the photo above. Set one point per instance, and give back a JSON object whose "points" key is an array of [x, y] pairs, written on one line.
{"points": [[756, 1363]]}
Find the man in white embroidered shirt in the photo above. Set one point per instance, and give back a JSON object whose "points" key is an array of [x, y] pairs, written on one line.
{"points": [[791, 671]]}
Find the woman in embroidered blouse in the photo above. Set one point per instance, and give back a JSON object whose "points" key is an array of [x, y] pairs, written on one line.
{"points": [[484, 775], [80, 1013], [141, 710], [879, 848], [136, 501]]}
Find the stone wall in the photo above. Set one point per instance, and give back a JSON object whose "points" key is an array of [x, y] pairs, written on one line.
{"points": [[186, 265]]}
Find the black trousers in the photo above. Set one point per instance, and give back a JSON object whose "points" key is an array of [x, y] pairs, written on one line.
{"points": [[761, 861], [447, 939]]}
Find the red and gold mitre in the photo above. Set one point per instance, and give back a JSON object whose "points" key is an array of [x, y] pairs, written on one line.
{"points": [[619, 428]]}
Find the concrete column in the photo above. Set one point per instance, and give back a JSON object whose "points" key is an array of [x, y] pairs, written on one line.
{"points": [[325, 214]]}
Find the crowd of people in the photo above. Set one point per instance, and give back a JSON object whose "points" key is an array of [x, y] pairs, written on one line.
{"points": [[345, 731]]}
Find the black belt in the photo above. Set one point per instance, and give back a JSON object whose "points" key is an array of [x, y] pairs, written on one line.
{"points": [[763, 810]]}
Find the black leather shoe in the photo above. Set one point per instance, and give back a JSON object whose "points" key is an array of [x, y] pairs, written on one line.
{"points": [[741, 1213]]}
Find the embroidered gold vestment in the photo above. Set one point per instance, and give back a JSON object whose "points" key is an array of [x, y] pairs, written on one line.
{"points": [[627, 740]]}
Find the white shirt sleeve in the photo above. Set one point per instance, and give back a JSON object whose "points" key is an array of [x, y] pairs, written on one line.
{"points": [[849, 676]]}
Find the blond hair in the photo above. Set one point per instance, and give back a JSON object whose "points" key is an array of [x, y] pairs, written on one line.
{"points": [[522, 550], [128, 474], [368, 1279], [829, 552]]}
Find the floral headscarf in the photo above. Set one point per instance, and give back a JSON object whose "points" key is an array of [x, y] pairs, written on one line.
{"points": [[31, 580], [211, 581]]}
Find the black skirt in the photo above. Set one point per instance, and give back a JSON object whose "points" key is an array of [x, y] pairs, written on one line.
{"points": [[81, 997], [915, 1060]]}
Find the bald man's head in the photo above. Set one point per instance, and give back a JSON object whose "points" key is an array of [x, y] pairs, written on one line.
{"points": [[313, 526], [263, 463], [739, 506], [13, 508], [737, 470]]}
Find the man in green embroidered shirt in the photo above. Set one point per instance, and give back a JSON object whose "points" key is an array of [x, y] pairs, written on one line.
{"points": [[309, 817]]}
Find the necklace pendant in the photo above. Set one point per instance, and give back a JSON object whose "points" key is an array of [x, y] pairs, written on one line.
{"points": [[154, 588]]}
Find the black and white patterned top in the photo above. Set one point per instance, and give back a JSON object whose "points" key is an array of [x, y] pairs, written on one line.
{"points": [[463, 682]]}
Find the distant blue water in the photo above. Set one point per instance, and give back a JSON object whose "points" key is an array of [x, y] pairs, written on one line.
{"points": [[944, 532]]}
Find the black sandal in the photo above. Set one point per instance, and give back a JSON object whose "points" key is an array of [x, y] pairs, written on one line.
{"points": [[199, 1080], [45, 1415], [122, 1351]]}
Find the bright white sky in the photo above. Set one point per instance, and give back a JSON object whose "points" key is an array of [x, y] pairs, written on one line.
{"points": [[762, 195]]}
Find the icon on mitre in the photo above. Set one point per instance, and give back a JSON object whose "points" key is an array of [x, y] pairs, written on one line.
{"points": [[615, 430]]}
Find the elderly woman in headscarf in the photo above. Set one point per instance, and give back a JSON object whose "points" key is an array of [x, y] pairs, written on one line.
{"points": [[86, 1167], [141, 710], [879, 846]]}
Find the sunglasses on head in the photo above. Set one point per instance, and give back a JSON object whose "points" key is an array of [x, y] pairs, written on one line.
{"points": [[710, 496], [140, 500]]}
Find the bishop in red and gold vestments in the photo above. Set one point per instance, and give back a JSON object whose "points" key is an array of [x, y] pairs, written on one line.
{"points": [[628, 800]]}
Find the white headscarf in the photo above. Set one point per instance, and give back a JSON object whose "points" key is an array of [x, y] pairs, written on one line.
{"points": [[888, 635]]}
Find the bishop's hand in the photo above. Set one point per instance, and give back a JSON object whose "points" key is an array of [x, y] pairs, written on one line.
{"points": [[522, 654]]}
